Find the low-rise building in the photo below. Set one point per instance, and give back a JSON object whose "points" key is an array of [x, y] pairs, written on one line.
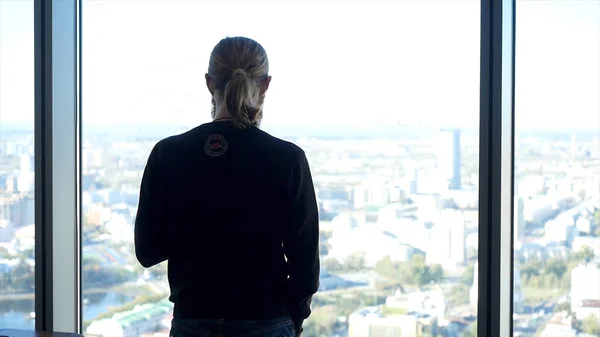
{"points": [[584, 285], [560, 325], [587, 309], [383, 321]]}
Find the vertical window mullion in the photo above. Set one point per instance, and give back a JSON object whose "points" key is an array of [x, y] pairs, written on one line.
{"points": [[43, 164], [57, 232], [496, 168]]}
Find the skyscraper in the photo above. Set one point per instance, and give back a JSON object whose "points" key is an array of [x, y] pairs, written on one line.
{"points": [[447, 242], [448, 157]]}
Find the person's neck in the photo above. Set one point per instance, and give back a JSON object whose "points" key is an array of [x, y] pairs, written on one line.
{"points": [[222, 114], [220, 119]]}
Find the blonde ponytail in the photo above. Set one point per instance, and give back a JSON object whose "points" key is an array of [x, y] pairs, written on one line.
{"points": [[241, 96], [238, 66]]}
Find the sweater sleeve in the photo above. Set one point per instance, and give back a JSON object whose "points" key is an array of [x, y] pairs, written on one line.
{"points": [[301, 244], [150, 229]]}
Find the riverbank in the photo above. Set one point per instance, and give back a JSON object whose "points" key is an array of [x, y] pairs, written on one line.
{"points": [[99, 302], [89, 291]]}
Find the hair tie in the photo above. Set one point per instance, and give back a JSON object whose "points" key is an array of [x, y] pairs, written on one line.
{"points": [[239, 72]]}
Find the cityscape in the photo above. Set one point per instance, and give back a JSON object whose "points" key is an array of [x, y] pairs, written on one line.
{"points": [[399, 235], [383, 97]]}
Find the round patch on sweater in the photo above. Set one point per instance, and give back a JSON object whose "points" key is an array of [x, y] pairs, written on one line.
{"points": [[215, 145]]}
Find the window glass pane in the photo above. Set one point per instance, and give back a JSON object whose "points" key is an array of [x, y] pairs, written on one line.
{"points": [[557, 169], [382, 96], [16, 165]]}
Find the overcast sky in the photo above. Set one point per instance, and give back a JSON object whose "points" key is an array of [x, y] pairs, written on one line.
{"points": [[334, 64]]}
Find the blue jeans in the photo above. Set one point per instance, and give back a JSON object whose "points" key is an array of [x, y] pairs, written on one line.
{"points": [[279, 327]]}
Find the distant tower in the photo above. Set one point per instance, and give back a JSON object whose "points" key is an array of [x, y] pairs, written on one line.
{"points": [[447, 244], [448, 157]]}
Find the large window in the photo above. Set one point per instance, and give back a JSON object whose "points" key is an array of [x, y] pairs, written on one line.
{"points": [[557, 169], [16, 165], [382, 96]]}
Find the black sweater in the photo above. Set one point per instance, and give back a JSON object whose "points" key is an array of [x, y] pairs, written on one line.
{"points": [[234, 212]]}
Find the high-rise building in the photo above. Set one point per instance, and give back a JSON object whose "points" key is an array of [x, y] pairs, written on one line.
{"points": [[19, 211], [91, 158], [448, 157], [448, 236]]}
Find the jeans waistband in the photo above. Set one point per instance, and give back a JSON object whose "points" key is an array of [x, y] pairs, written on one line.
{"points": [[230, 327]]}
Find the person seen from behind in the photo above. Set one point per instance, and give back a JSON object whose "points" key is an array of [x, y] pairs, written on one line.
{"points": [[233, 211]]}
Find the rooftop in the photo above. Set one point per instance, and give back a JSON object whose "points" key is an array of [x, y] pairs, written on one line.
{"points": [[143, 313], [385, 312], [590, 303]]}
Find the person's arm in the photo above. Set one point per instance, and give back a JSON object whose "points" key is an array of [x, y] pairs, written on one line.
{"points": [[150, 233], [301, 245]]}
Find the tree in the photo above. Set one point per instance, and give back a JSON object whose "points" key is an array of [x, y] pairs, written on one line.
{"points": [[356, 261], [467, 276], [418, 274], [471, 331], [531, 268], [563, 306], [332, 264], [22, 276], [556, 266], [321, 322], [458, 295], [436, 273], [412, 272], [423, 274], [324, 246], [586, 254], [419, 270], [325, 235], [591, 325], [386, 268]]}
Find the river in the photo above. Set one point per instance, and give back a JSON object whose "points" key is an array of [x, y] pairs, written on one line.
{"points": [[96, 304]]}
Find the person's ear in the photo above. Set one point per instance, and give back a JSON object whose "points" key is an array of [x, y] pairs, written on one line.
{"points": [[210, 84], [265, 85]]}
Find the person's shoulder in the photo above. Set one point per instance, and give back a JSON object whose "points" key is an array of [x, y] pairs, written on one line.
{"points": [[187, 136], [172, 144], [281, 144]]}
